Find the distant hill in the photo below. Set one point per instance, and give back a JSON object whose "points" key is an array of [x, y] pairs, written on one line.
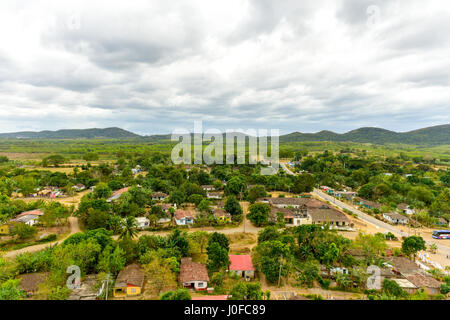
{"points": [[437, 135], [107, 133]]}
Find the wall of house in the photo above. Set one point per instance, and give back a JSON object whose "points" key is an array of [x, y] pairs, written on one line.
{"points": [[248, 273], [4, 229], [198, 285], [133, 291]]}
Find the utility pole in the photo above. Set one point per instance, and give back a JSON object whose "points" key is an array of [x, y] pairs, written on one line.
{"points": [[107, 280], [279, 274]]}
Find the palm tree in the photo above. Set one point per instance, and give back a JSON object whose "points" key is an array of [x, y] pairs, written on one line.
{"points": [[129, 228]]}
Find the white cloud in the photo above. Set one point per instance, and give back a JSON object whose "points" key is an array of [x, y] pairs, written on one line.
{"points": [[152, 66]]}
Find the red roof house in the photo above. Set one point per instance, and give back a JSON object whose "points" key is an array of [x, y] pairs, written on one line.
{"points": [[242, 265]]}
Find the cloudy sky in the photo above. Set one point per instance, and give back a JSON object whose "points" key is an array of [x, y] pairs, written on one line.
{"points": [[153, 66]]}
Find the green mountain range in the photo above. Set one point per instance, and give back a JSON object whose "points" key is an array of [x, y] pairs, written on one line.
{"points": [[436, 135], [107, 133]]}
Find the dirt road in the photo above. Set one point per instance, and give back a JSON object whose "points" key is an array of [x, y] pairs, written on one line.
{"points": [[74, 228]]}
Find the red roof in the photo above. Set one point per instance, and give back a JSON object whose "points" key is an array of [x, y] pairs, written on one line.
{"points": [[241, 262], [121, 191], [31, 212], [225, 297]]}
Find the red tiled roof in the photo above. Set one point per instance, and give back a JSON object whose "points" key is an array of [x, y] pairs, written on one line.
{"points": [[180, 214], [31, 212], [121, 191], [192, 271], [241, 262]]}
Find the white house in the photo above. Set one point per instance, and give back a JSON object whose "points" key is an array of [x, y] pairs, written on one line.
{"points": [[142, 222], [405, 208], [159, 196], [193, 275], [183, 217], [214, 195], [395, 218], [29, 217]]}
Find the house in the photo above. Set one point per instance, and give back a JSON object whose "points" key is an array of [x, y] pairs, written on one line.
{"points": [[405, 208], [412, 272], [368, 204], [136, 169], [183, 217], [79, 187], [422, 280], [327, 189], [159, 196], [30, 283], [221, 215], [242, 265], [4, 229], [208, 187], [129, 281], [406, 285], [28, 217], [335, 218], [295, 203], [142, 222], [193, 275], [349, 195], [214, 195], [395, 218], [117, 194], [292, 216]]}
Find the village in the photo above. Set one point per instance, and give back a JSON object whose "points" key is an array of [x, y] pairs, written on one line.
{"points": [[220, 240]]}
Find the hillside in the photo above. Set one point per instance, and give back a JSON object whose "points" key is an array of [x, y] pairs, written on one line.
{"points": [[437, 135], [107, 133]]}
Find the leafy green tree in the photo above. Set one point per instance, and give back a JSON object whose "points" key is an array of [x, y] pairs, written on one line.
{"points": [[304, 183], [217, 257], [221, 239], [177, 197], [90, 156], [179, 240], [391, 287], [413, 244], [232, 206], [180, 294], [256, 192], [111, 260], [310, 271], [102, 191], [200, 238], [129, 228], [235, 186], [24, 231], [269, 234], [195, 199], [259, 213], [9, 290], [205, 206]]}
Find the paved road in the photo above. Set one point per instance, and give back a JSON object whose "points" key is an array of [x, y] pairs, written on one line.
{"points": [[365, 217]]}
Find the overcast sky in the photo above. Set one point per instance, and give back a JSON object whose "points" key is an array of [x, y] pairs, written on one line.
{"points": [[153, 66]]}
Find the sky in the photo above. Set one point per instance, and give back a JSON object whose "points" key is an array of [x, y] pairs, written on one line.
{"points": [[155, 66]]}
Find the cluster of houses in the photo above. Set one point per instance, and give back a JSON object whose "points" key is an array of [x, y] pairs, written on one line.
{"points": [[299, 211], [410, 277], [193, 276]]}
